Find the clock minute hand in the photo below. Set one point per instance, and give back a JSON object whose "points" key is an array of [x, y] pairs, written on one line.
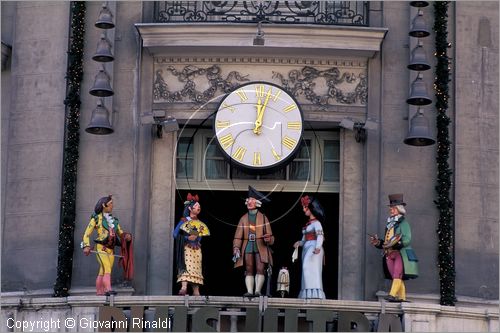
{"points": [[260, 113]]}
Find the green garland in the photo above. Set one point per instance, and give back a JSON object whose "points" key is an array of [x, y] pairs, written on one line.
{"points": [[74, 78], [445, 231]]}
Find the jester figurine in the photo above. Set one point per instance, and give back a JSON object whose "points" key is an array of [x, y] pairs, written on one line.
{"points": [[399, 261], [188, 234], [251, 243], [109, 235]]}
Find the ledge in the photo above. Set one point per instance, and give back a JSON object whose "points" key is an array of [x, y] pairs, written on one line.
{"points": [[290, 40], [225, 302]]}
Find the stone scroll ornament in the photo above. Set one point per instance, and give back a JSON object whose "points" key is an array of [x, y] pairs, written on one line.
{"points": [[189, 91], [303, 82], [300, 83]]}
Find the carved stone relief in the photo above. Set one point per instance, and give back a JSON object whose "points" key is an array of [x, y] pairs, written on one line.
{"points": [[321, 83]]}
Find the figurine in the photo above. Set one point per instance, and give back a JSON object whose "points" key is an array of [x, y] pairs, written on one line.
{"points": [[251, 243], [109, 233], [283, 284], [312, 253], [188, 234], [400, 262]]}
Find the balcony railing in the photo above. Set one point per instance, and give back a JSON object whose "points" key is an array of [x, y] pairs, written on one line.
{"points": [[281, 12]]}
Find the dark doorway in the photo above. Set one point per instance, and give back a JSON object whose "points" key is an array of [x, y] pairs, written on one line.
{"points": [[221, 211]]}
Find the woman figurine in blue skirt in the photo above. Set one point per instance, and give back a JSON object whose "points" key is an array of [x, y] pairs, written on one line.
{"points": [[312, 253]]}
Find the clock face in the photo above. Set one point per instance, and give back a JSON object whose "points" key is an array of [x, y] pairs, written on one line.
{"points": [[258, 126]]}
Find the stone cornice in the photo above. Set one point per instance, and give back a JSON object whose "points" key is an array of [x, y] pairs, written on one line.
{"points": [[343, 63], [230, 38]]}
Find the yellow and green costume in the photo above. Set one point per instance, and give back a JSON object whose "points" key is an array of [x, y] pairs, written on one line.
{"points": [[108, 236]]}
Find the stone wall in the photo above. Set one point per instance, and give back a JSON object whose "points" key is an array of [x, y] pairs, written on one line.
{"points": [[476, 106], [33, 153], [108, 163]]}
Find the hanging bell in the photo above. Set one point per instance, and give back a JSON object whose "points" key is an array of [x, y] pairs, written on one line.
{"points": [[418, 93], [105, 19], [419, 3], [103, 52], [418, 61], [418, 27], [102, 86], [419, 134], [99, 122]]}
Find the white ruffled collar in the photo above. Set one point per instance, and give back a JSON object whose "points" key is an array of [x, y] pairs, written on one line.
{"points": [[110, 219], [392, 220]]}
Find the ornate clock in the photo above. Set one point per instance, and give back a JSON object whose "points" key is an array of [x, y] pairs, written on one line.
{"points": [[258, 126]]}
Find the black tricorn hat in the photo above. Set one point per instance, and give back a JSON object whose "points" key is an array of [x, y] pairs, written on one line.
{"points": [[396, 199], [253, 193]]}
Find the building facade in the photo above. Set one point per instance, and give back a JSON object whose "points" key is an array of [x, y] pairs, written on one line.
{"points": [[178, 60]]}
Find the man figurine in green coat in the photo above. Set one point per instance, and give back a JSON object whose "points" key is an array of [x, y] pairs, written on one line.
{"points": [[400, 262]]}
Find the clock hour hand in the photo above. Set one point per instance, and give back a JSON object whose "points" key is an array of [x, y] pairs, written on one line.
{"points": [[260, 113]]}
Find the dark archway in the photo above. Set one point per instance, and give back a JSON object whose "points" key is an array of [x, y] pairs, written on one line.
{"points": [[221, 211]]}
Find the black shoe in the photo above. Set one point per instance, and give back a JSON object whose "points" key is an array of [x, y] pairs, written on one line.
{"points": [[392, 299], [257, 294], [110, 292], [248, 295]]}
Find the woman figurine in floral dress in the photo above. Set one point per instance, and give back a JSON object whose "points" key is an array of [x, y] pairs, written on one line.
{"points": [[188, 234]]}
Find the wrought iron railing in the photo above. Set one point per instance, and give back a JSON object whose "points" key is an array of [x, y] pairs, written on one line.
{"points": [[282, 12]]}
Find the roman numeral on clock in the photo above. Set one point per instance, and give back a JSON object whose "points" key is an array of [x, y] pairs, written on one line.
{"points": [[293, 125], [241, 93], [226, 141], [222, 123], [239, 153], [275, 154], [290, 108], [289, 142], [277, 95], [259, 90], [227, 106], [256, 158]]}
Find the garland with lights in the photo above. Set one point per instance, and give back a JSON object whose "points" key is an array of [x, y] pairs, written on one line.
{"points": [[445, 231], [74, 76]]}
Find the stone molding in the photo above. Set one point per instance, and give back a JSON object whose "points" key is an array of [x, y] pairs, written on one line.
{"points": [[295, 39], [344, 63]]}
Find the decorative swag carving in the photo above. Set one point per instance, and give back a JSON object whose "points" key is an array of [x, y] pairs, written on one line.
{"points": [[302, 82], [307, 83]]}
